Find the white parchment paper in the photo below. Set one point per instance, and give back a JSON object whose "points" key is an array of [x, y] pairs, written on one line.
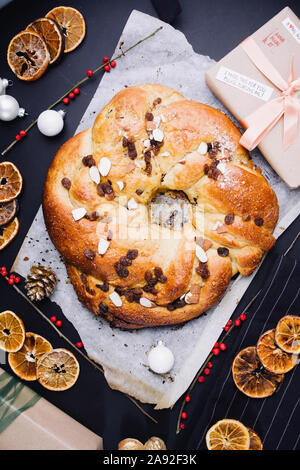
{"points": [[169, 59]]}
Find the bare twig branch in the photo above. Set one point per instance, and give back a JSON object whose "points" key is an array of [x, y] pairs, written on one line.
{"points": [[209, 357], [80, 83], [94, 364]]}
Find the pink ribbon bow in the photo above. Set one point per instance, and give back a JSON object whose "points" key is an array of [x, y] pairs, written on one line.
{"points": [[261, 121]]}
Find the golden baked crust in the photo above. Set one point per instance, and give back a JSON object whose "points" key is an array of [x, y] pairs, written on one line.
{"points": [[232, 208]]}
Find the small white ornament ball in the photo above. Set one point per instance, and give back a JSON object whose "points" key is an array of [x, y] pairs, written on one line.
{"points": [[160, 359], [51, 122], [9, 108], [4, 83]]}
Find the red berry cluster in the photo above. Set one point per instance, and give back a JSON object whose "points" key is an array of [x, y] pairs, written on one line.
{"points": [[57, 322], [20, 135], [107, 64], [218, 347], [12, 278], [71, 95], [3, 271], [228, 325], [237, 322]]}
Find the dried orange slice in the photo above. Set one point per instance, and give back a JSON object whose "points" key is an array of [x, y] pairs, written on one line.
{"points": [[255, 441], [10, 181], [251, 377], [8, 211], [287, 334], [71, 23], [272, 357], [51, 34], [8, 233], [28, 56], [228, 434], [23, 362], [58, 370], [12, 331]]}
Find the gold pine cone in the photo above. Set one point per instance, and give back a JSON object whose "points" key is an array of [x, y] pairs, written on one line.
{"points": [[40, 282]]}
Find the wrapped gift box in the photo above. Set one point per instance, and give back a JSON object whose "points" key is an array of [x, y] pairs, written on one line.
{"points": [[243, 88], [29, 422]]}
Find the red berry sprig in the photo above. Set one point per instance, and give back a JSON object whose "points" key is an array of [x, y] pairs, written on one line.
{"points": [[3, 271], [207, 366], [78, 345], [71, 96], [107, 64], [21, 134], [12, 279]]}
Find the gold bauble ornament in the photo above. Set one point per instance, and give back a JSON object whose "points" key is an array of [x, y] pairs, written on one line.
{"points": [[155, 443], [130, 444]]}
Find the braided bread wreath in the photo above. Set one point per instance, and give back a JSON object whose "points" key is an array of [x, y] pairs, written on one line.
{"points": [[126, 264]]}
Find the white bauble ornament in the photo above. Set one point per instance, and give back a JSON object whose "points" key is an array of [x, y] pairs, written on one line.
{"points": [[4, 83], [51, 122], [9, 108], [160, 359]]}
